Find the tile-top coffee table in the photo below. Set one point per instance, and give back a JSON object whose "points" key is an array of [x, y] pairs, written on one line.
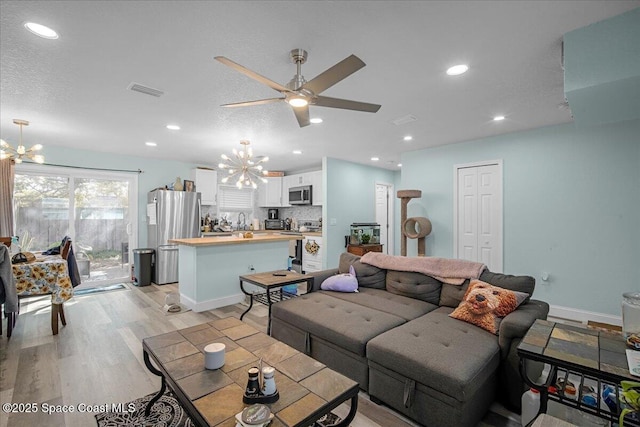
{"points": [[308, 389]]}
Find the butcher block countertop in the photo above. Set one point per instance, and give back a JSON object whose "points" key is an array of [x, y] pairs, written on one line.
{"points": [[234, 239]]}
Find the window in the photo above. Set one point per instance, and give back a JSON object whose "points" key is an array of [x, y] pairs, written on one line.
{"points": [[231, 198], [94, 208]]}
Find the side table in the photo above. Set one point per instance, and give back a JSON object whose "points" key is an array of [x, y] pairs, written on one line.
{"points": [[272, 282], [587, 356]]}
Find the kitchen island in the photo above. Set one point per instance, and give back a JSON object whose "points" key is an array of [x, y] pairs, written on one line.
{"points": [[209, 267]]}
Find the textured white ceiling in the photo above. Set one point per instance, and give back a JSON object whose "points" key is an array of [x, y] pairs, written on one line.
{"points": [[74, 90]]}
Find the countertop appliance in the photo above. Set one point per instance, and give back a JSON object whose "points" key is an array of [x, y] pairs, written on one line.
{"points": [[274, 224], [171, 215], [272, 214], [300, 195]]}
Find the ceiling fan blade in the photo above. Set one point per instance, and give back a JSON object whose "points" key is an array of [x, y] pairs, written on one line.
{"points": [[302, 114], [257, 102], [325, 101], [252, 74], [333, 75]]}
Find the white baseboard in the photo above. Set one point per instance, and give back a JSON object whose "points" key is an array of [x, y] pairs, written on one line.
{"points": [[212, 303], [583, 315]]}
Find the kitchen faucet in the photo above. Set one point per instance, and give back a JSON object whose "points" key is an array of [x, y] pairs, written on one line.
{"points": [[244, 221]]}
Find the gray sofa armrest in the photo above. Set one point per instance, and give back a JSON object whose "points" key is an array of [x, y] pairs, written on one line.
{"points": [[513, 328], [516, 324], [321, 276]]}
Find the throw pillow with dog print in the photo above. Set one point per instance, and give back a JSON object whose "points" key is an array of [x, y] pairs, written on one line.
{"points": [[485, 305]]}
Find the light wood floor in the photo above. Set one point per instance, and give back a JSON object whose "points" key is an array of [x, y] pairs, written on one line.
{"points": [[97, 358]]}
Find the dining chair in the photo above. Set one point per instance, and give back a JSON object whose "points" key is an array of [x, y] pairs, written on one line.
{"points": [[8, 297]]}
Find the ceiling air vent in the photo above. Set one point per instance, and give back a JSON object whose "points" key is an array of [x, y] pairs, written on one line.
{"points": [[136, 87], [404, 120]]}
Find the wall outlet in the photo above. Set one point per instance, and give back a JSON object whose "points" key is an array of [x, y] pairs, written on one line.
{"points": [[251, 267], [332, 221]]}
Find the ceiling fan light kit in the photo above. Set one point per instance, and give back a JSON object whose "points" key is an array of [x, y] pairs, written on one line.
{"points": [[300, 93]]}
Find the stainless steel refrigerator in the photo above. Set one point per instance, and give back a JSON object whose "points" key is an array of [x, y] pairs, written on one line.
{"points": [[170, 215]]}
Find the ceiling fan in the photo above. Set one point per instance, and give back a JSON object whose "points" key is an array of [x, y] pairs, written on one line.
{"points": [[300, 93]]}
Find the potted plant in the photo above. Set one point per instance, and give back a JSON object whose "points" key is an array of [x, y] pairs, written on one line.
{"points": [[630, 396]]}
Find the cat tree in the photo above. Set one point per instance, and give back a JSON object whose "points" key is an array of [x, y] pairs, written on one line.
{"points": [[415, 227]]}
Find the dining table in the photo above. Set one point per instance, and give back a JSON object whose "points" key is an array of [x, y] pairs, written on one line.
{"points": [[48, 274]]}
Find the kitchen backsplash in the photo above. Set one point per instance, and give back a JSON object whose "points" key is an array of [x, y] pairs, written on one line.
{"points": [[293, 212]]}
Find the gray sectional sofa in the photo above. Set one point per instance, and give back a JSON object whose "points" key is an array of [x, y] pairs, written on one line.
{"points": [[396, 339]]}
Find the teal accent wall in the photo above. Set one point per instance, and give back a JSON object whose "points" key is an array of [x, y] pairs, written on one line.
{"points": [[155, 173], [571, 207], [349, 198]]}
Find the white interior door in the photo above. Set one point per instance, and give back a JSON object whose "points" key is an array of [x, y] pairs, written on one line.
{"points": [[478, 225], [384, 215]]}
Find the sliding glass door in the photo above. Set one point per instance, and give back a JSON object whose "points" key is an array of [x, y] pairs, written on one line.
{"points": [[96, 209]]}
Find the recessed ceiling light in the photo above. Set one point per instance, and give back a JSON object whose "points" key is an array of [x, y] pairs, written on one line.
{"points": [[173, 127], [399, 165], [150, 144], [41, 31], [297, 152], [316, 120], [408, 138], [498, 118], [375, 159], [456, 70]]}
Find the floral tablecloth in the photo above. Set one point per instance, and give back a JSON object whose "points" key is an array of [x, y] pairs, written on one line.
{"points": [[42, 277]]}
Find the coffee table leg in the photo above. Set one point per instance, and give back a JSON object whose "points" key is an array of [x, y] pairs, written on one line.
{"points": [[352, 413], [163, 386], [250, 300]]}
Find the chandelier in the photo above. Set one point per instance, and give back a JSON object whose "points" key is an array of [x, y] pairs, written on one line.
{"points": [[8, 152], [242, 166]]}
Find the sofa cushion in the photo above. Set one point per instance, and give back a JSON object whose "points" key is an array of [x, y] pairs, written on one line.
{"points": [[343, 323], [429, 349], [368, 275], [451, 295], [414, 285], [407, 308], [485, 305]]}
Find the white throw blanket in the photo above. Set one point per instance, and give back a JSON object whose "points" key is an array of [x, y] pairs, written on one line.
{"points": [[451, 271]]}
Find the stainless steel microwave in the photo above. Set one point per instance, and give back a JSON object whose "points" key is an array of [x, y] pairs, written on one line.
{"points": [[300, 195]]}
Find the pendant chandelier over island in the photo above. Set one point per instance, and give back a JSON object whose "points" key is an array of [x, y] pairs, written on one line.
{"points": [[244, 167]]}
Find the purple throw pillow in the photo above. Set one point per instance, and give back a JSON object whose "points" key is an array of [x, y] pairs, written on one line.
{"points": [[346, 282]]}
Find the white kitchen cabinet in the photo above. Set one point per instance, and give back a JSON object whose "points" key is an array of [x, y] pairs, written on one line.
{"points": [[288, 181], [206, 184], [270, 194], [315, 179], [312, 253]]}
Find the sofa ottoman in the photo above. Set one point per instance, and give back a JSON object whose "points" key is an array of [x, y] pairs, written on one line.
{"points": [[418, 369], [335, 331]]}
